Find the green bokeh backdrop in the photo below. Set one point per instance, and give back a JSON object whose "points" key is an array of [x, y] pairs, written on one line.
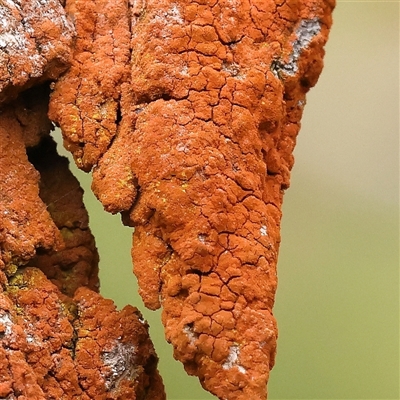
{"points": [[338, 298]]}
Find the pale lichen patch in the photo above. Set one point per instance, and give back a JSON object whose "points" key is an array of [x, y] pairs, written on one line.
{"points": [[7, 324], [188, 330], [233, 360], [307, 30], [263, 230], [121, 361]]}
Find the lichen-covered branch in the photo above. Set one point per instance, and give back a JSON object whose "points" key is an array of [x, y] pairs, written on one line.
{"points": [[188, 113], [82, 348], [35, 44], [59, 339]]}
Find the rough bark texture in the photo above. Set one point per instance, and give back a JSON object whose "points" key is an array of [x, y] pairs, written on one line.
{"points": [[189, 112], [59, 339]]}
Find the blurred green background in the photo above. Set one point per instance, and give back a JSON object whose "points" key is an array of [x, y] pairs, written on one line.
{"points": [[337, 304]]}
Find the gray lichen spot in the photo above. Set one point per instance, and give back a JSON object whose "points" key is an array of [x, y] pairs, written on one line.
{"points": [[263, 230], [121, 361], [306, 31], [233, 359], [188, 330], [5, 320]]}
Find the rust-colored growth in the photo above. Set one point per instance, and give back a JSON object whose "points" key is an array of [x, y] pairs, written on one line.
{"points": [[55, 347], [25, 222], [114, 348], [87, 105], [58, 337], [201, 153], [76, 264], [35, 44], [44, 221]]}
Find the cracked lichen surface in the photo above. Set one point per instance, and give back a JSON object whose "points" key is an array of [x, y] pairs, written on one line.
{"points": [[56, 334], [59, 339], [55, 347], [195, 152], [35, 40]]}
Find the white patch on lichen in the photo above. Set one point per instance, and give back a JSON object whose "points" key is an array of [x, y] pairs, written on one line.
{"points": [[202, 238], [172, 16], [263, 230], [182, 147], [185, 71], [121, 361], [17, 30], [29, 338], [188, 331], [305, 33], [233, 69], [301, 103], [233, 4], [5, 320], [167, 19], [241, 369], [233, 360]]}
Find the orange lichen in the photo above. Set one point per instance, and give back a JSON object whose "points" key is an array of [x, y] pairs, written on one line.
{"points": [[76, 264], [187, 113], [204, 126], [55, 347], [35, 44], [58, 337]]}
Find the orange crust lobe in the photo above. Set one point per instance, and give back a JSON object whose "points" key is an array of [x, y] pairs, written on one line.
{"points": [[204, 124]]}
